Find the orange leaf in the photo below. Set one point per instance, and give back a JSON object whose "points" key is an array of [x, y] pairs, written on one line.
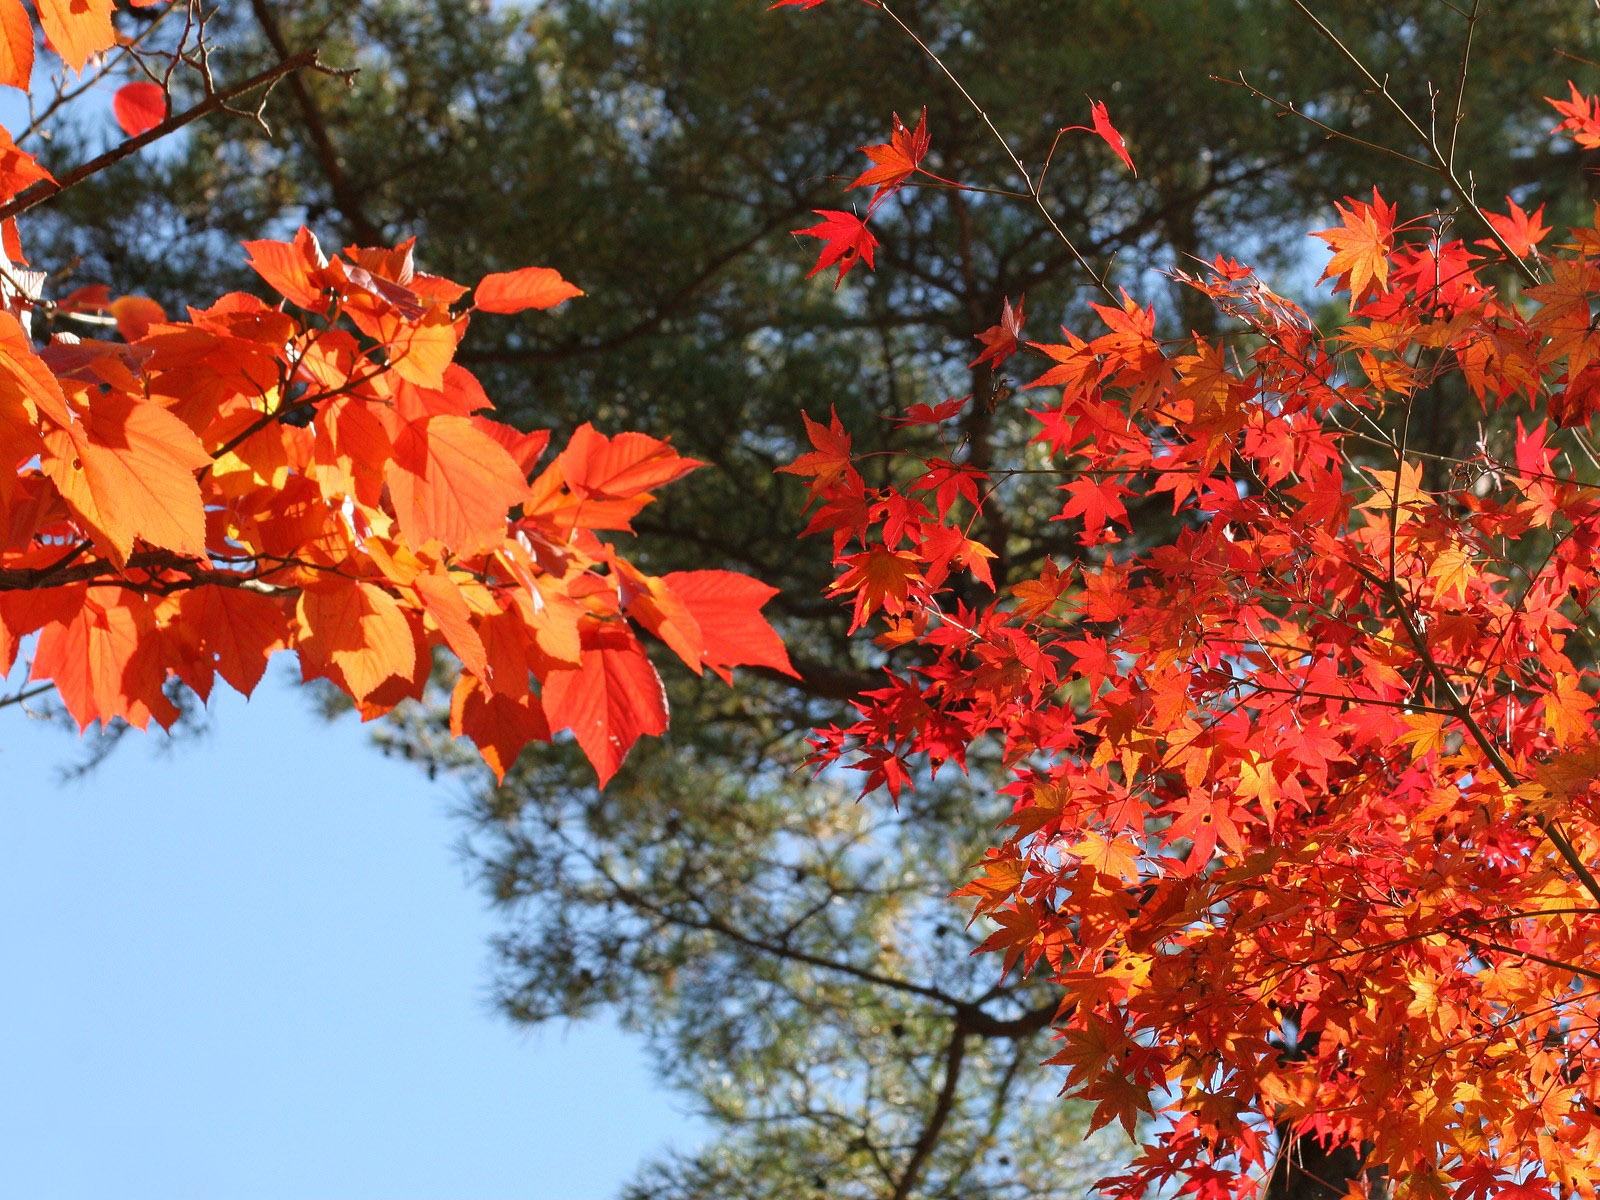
{"points": [[77, 29], [1582, 117], [500, 726], [19, 436], [1520, 231], [1570, 772], [295, 271], [420, 351], [897, 159], [1425, 733], [880, 579], [18, 168], [443, 601], [23, 374], [727, 608], [358, 630], [829, 463], [235, 629], [1116, 858], [612, 699], [1566, 711], [452, 483], [1036, 597], [658, 609], [627, 465], [515, 291], [525, 448], [105, 661], [128, 471], [139, 107], [135, 315], [351, 450], [16, 45], [1361, 246]]}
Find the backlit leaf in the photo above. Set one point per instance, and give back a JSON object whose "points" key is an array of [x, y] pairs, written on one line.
{"points": [[611, 700], [139, 107], [453, 484], [516, 291]]}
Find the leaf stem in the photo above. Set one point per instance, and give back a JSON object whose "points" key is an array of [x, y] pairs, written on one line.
{"points": [[1033, 189]]}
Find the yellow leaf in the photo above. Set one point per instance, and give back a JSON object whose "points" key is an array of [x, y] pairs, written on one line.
{"points": [[1425, 733]]}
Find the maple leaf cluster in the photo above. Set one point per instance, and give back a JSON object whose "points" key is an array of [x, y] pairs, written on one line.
{"points": [[1306, 794], [320, 476], [846, 240]]}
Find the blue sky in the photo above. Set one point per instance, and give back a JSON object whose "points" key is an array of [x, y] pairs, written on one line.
{"points": [[255, 967]]}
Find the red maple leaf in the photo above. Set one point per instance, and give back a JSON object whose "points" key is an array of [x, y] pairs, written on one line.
{"points": [[1361, 246], [1108, 131], [880, 579], [1520, 231], [1575, 404], [1003, 340], [898, 159], [1582, 117], [846, 241], [931, 414], [829, 463]]}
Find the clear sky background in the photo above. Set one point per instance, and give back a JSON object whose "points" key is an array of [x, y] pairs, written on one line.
{"points": [[255, 967]]}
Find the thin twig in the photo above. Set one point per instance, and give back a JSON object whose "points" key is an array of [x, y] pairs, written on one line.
{"points": [[1033, 189], [1443, 164], [26, 694], [345, 194], [1288, 108], [216, 101]]}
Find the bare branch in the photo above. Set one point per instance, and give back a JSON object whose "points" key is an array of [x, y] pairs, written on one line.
{"points": [[215, 101]]}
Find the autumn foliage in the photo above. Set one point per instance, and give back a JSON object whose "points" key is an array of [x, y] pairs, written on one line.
{"points": [[1306, 768], [318, 475]]}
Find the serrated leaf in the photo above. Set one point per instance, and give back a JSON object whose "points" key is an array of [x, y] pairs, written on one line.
{"points": [[16, 45], [453, 484], [77, 29], [127, 470], [613, 698], [727, 608]]}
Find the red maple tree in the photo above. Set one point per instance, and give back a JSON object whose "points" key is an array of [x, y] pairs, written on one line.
{"points": [[1307, 790], [316, 475]]}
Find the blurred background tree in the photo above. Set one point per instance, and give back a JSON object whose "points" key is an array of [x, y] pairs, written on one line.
{"points": [[792, 957]]}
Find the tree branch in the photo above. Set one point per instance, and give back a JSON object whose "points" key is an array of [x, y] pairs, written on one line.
{"points": [[955, 1051], [217, 101]]}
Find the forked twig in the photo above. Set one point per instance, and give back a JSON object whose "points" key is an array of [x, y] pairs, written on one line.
{"points": [[215, 101], [1033, 188], [1443, 164]]}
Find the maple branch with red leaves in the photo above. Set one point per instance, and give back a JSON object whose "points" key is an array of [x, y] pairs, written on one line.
{"points": [[1443, 158], [1244, 762]]}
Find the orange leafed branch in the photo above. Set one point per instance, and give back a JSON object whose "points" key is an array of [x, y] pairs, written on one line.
{"points": [[167, 519]]}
